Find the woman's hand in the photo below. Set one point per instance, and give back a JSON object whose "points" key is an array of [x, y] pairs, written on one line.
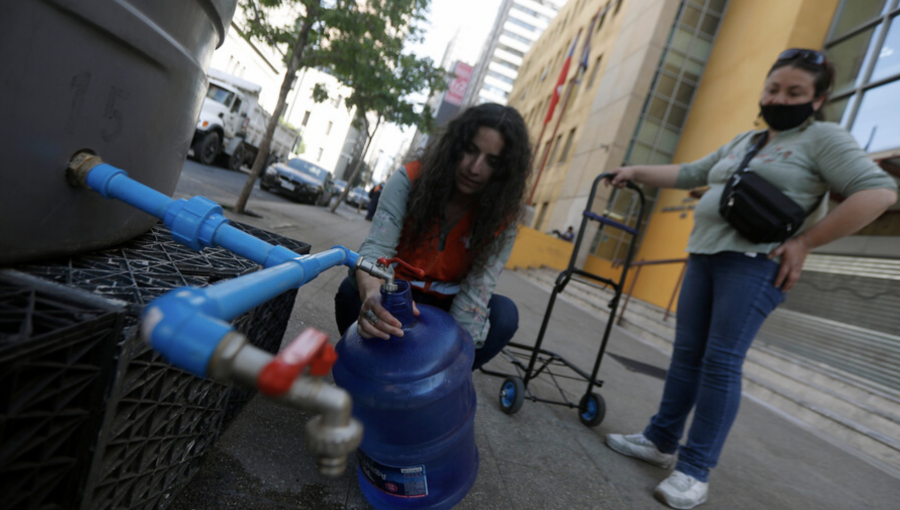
{"points": [[661, 176], [374, 320], [854, 213], [621, 176], [793, 253]]}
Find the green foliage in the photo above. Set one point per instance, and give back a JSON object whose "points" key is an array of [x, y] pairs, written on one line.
{"points": [[359, 42], [287, 124], [362, 45], [320, 93]]}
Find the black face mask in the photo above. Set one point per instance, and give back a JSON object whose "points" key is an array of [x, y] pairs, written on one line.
{"points": [[781, 117]]}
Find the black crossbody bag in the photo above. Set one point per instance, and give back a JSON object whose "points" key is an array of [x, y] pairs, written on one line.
{"points": [[756, 208]]}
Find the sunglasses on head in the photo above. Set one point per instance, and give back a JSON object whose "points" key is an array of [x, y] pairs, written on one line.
{"points": [[809, 56]]}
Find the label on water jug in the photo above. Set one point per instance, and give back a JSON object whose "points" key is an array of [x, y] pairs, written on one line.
{"points": [[402, 482]]}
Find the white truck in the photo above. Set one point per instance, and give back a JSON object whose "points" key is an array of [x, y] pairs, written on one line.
{"points": [[232, 124]]}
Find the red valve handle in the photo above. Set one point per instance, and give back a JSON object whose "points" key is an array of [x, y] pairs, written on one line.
{"points": [[420, 273], [310, 349]]}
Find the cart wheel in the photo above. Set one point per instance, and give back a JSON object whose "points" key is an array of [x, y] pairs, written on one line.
{"points": [[512, 395], [591, 409]]}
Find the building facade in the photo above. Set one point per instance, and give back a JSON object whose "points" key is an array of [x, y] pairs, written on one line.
{"points": [[324, 126], [669, 81], [518, 25]]}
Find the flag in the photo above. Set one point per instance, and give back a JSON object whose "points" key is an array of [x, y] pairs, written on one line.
{"points": [[583, 63], [560, 82]]}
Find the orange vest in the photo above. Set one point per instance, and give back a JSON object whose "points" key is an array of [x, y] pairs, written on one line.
{"points": [[443, 269]]}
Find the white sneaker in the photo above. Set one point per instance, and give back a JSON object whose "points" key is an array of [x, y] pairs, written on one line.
{"points": [[639, 447], [681, 491]]}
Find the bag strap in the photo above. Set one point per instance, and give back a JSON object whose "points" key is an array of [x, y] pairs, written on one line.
{"points": [[751, 153]]}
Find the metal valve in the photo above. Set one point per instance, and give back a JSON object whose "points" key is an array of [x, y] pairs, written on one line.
{"points": [[389, 285], [310, 349]]}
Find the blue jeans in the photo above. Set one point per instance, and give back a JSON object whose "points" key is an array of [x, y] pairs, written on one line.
{"points": [[724, 300], [504, 317]]}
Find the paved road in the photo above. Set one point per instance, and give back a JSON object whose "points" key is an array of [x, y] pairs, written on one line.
{"points": [[224, 186], [541, 458]]}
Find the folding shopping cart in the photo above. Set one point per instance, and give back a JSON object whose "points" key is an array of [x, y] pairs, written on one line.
{"points": [[541, 362]]}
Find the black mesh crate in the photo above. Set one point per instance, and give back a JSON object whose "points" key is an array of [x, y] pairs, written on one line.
{"points": [[158, 420], [56, 344]]}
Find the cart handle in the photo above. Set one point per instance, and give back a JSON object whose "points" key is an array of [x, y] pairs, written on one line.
{"points": [[611, 223], [608, 176]]}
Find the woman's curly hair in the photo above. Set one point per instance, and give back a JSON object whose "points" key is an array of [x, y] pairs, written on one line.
{"points": [[500, 200]]}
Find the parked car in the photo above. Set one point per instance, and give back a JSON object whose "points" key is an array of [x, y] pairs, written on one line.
{"points": [[339, 186], [299, 180], [356, 195]]}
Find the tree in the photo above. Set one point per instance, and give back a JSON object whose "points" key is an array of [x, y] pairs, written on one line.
{"points": [[383, 81], [355, 40]]}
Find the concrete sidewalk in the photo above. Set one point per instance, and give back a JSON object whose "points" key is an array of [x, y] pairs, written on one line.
{"points": [[542, 457]]}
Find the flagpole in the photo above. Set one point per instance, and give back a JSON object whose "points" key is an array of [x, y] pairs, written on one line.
{"points": [[552, 137], [582, 67]]}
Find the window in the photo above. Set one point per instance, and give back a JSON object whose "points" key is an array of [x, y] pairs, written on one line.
{"points": [[504, 63], [539, 221], [328, 129], [219, 95], [567, 96], [236, 107], [510, 50], [319, 155], [565, 152], [555, 148], [517, 7], [305, 118], [337, 101], [526, 26], [516, 37], [864, 46], [546, 150], [501, 77], [658, 130], [594, 71], [602, 17]]}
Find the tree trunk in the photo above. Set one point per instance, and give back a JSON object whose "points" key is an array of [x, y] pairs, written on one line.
{"points": [[290, 74], [358, 164]]}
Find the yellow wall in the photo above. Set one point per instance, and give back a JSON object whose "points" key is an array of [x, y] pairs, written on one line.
{"points": [[536, 249], [752, 35]]}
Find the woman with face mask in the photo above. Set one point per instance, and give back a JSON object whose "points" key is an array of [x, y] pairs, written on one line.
{"points": [[731, 283]]}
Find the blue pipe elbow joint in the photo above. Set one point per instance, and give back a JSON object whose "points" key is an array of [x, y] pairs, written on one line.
{"points": [[194, 222], [179, 326]]}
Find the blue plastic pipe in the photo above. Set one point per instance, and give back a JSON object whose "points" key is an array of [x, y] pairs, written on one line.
{"points": [[186, 325], [197, 223]]}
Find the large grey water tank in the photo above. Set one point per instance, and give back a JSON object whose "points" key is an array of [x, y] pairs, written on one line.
{"points": [[122, 78]]}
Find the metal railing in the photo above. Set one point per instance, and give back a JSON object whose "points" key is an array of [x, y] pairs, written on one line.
{"points": [[639, 265]]}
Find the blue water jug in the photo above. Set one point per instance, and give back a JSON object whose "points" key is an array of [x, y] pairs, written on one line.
{"points": [[415, 398]]}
